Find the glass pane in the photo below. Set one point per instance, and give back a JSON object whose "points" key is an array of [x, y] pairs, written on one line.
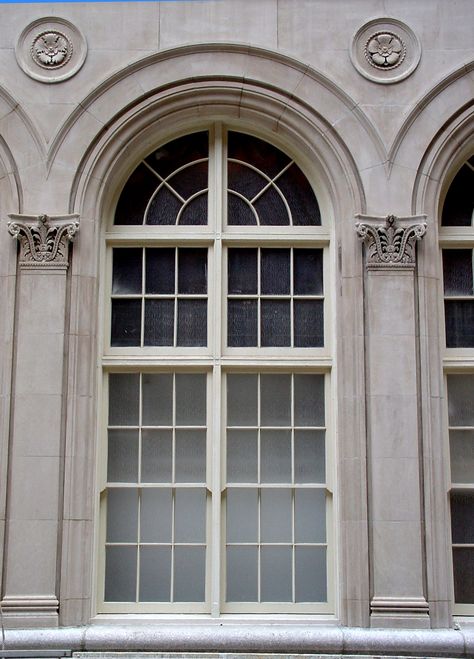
{"points": [[242, 515], [192, 322], [462, 517], [241, 456], [157, 393], [275, 271], [462, 456], [275, 400], [179, 152], [194, 212], [309, 323], [309, 400], [159, 270], [242, 574], [275, 323], [155, 515], [275, 515], [122, 456], [457, 271], [123, 399], [463, 564], [191, 399], [126, 323], [190, 515], [459, 316], [155, 574], [190, 180], [127, 270], [260, 154], [190, 465], [271, 209], [189, 574], [135, 196], [300, 197], [244, 180], [310, 456], [310, 515], [164, 208], [159, 322], [242, 399], [275, 456], [242, 325], [308, 271], [239, 212], [120, 574], [242, 271], [458, 205], [122, 515], [461, 400], [276, 574], [192, 271], [157, 456], [310, 574]]}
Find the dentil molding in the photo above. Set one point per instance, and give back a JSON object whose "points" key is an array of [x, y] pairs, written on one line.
{"points": [[391, 244]]}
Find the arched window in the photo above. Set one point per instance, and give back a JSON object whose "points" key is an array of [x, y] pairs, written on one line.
{"points": [[215, 479]]}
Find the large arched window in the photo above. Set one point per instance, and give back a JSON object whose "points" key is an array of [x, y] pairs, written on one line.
{"points": [[216, 480]]}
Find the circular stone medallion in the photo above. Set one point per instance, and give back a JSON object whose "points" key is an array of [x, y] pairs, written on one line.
{"points": [[51, 49]]}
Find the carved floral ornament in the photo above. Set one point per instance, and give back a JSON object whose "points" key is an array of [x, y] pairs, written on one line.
{"points": [[44, 240], [392, 244], [385, 50], [51, 49]]}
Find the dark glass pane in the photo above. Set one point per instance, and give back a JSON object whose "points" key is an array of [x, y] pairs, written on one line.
{"points": [[275, 323], [463, 564], [122, 456], [157, 399], [123, 399], [275, 272], [457, 271], [241, 323], [461, 400], [195, 212], [309, 399], [309, 323], [164, 208], [300, 197], [126, 322], [127, 271], [120, 574], [239, 212], [459, 317], [242, 271], [159, 270], [244, 180], [159, 322], [179, 152], [462, 517], [275, 400], [271, 209], [308, 271], [192, 323], [258, 153], [192, 271], [190, 180], [459, 202], [135, 196]]}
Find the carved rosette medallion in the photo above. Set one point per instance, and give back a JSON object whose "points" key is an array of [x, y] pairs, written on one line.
{"points": [[392, 244], [44, 240], [385, 50], [51, 49]]}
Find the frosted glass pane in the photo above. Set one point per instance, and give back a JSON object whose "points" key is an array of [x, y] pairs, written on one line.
{"points": [[157, 456], [461, 400], [171, 156], [164, 208], [160, 270], [155, 574], [275, 272], [300, 197], [189, 574], [308, 271], [239, 212], [310, 515], [123, 399], [459, 318], [275, 396], [242, 574], [127, 270], [276, 574], [190, 456], [190, 515], [122, 515], [275, 456], [125, 322], [309, 400], [191, 399], [242, 271], [462, 456], [271, 209], [135, 195], [155, 515], [275, 323], [241, 456], [190, 180], [120, 574], [457, 271], [463, 564], [195, 211], [244, 180], [159, 323], [242, 400], [192, 270], [192, 323], [157, 393], [275, 515], [309, 323], [462, 517], [310, 456], [122, 456], [310, 574], [242, 325], [262, 155], [242, 515]]}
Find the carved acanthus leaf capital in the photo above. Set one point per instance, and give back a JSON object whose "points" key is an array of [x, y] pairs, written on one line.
{"points": [[391, 244], [44, 239]]}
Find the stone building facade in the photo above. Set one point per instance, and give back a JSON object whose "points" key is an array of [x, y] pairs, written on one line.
{"points": [[237, 327]]}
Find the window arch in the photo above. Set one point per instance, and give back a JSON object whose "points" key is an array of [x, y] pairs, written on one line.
{"points": [[215, 483]]}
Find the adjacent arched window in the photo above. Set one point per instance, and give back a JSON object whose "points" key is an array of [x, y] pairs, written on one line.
{"points": [[215, 481]]}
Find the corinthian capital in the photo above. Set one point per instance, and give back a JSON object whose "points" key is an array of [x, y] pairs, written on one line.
{"points": [[391, 244], [44, 239]]}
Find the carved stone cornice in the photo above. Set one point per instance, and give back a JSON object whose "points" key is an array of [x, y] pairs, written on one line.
{"points": [[44, 239], [391, 244]]}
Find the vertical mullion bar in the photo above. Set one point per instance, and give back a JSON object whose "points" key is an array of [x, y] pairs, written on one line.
{"points": [[292, 303], [175, 324], [259, 324], [215, 430], [259, 490], [173, 486], [293, 489], [142, 310], [140, 417]]}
